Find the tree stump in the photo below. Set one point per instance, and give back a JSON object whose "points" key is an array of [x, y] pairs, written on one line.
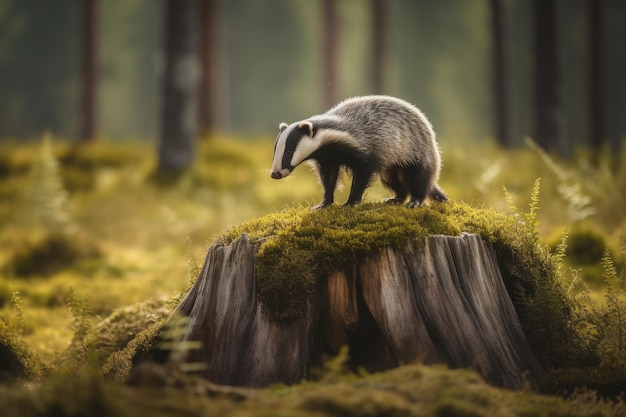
{"points": [[441, 300]]}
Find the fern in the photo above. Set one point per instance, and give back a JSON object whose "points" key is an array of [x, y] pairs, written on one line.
{"points": [[509, 200], [18, 305], [82, 317], [532, 222], [569, 188], [49, 195], [612, 322], [559, 255], [192, 266], [174, 341]]}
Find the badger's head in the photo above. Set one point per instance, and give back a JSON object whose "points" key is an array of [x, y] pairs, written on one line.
{"points": [[294, 144]]}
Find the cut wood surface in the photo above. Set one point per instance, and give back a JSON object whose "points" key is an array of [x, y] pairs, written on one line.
{"points": [[439, 301]]}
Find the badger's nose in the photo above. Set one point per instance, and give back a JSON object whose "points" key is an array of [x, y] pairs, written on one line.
{"points": [[277, 175]]}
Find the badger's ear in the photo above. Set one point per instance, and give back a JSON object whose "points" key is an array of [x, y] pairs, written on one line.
{"points": [[307, 126], [282, 126]]}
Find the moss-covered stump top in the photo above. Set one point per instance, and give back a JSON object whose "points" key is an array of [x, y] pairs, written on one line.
{"points": [[297, 247]]}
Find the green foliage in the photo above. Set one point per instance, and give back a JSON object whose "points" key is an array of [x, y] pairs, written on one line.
{"points": [[586, 245], [51, 253], [411, 391], [82, 316], [49, 194], [116, 331], [15, 358], [602, 326], [612, 327], [299, 246], [119, 364], [568, 323], [569, 187], [60, 245], [177, 348]]}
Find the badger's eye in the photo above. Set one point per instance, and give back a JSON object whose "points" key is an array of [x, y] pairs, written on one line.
{"points": [[289, 153]]}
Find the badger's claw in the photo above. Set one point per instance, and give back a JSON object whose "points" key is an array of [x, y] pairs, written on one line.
{"points": [[414, 203], [392, 201], [320, 206]]}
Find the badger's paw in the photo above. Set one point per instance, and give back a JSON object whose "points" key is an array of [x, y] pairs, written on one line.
{"points": [[414, 203], [392, 201], [320, 206]]}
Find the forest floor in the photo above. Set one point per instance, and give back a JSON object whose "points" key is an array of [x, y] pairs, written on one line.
{"points": [[138, 239]]}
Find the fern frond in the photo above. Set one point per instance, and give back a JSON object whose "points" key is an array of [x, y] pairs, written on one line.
{"points": [[48, 192], [569, 188], [559, 255], [531, 217], [609, 272], [509, 200]]}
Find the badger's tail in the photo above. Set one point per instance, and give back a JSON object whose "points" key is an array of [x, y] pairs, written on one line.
{"points": [[437, 194]]}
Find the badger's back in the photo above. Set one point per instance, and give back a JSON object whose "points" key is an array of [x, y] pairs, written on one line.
{"points": [[391, 130]]}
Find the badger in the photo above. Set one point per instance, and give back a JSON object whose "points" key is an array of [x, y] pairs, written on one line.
{"points": [[367, 136]]}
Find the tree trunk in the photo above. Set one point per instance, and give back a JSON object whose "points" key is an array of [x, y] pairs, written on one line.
{"points": [[549, 112], [209, 100], [179, 86], [89, 70], [379, 36], [596, 76], [500, 74], [441, 301], [329, 21]]}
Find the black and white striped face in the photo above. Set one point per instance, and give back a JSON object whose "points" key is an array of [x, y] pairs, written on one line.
{"points": [[294, 144]]}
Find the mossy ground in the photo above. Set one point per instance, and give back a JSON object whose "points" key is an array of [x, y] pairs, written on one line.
{"points": [[412, 390], [150, 239]]}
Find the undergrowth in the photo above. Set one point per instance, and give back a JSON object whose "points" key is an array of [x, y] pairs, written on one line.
{"points": [[14, 355], [101, 193], [602, 325]]}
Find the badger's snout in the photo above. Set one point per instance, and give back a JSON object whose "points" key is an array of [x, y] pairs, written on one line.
{"points": [[280, 173]]}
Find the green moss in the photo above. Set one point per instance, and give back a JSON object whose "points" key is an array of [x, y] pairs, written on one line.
{"points": [[52, 253], [142, 347], [299, 245], [13, 353], [116, 331], [585, 245], [408, 391], [607, 379]]}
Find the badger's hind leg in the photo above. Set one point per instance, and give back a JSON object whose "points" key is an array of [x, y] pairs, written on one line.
{"points": [[418, 180], [395, 179]]}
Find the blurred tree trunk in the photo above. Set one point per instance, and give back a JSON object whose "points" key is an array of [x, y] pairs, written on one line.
{"points": [[379, 34], [179, 86], [210, 94], [549, 112], [329, 17], [89, 70], [596, 76], [500, 74]]}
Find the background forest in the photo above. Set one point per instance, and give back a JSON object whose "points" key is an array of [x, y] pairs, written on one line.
{"points": [[268, 56], [134, 133]]}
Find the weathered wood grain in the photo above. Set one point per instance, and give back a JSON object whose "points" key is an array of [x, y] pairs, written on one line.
{"points": [[440, 301]]}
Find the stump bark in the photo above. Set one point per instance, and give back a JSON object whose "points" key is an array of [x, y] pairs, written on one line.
{"points": [[439, 301]]}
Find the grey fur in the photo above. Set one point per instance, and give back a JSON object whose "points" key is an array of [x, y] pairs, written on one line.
{"points": [[389, 136]]}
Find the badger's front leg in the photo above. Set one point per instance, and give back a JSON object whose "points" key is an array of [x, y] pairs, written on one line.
{"points": [[328, 174], [360, 181]]}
